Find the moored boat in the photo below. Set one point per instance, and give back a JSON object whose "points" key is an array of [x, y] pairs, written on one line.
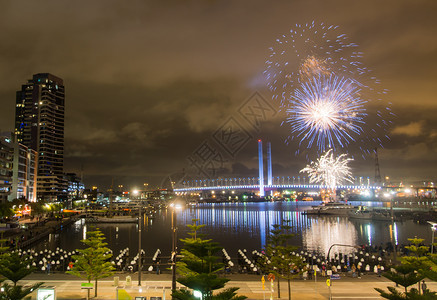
{"points": [[331, 208]]}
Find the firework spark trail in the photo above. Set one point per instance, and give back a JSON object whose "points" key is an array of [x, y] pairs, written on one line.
{"points": [[306, 51], [312, 55], [329, 170]]}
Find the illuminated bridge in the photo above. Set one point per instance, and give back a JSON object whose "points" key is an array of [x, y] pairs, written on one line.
{"points": [[253, 184], [272, 187], [258, 183], [299, 183]]}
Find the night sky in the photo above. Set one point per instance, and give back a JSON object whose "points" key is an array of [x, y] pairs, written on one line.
{"points": [[150, 85]]}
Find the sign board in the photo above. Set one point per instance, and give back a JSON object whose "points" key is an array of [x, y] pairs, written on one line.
{"points": [[46, 294], [335, 276], [271, 277], [87, 285], [328, 282], [263, 281]]}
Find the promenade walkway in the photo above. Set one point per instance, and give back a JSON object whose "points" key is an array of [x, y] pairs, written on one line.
{"points": [[152, 285], [35, 231]]}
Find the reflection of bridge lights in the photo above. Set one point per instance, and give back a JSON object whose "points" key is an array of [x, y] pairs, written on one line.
{"points": [[396, 233], [369, 233]]}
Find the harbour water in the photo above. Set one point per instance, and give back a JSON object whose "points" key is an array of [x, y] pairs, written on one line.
{"points": [[245, 226]]}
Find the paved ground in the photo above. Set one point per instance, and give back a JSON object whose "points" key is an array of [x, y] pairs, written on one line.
{"points": [[69, 287]]}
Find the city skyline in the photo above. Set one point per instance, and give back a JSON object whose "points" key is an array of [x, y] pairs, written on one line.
{"points": [[150, 85]]}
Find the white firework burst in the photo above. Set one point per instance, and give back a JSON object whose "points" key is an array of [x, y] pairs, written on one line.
{"points": [[329, 170], [327, 111]]}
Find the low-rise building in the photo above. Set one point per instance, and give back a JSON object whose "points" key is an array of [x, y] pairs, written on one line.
{"points": [[75, 186], [24, 175], [19, 169], [6, 165]]}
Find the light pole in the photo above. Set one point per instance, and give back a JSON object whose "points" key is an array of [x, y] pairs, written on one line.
{"points": [[173, 250], [174, 228], [395, 251], [433, 228], [139, 244]]}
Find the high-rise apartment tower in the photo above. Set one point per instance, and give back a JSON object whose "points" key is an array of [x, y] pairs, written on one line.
{"points": [[39, 125]]}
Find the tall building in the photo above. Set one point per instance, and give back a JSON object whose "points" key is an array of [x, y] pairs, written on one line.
{"points": [[39, 125]]}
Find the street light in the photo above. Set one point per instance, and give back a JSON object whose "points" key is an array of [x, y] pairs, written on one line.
{"points": [[139, 244], [174, 228], [389, 195], [433, 228]]}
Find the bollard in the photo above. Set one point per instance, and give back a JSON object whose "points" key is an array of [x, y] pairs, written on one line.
{"points": [[128, 281], [116, 280]]}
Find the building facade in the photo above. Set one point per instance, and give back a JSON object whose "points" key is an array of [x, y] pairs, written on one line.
{"points": [[39, 125], [6, 165], [24, 174], [75, 186]]}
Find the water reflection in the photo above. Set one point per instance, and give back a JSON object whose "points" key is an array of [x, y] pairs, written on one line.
{"points": [[253, 220], [243, 226], [323, 232]]}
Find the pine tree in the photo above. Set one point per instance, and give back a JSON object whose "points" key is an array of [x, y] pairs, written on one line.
{"points": [[199, 266], [280, 256], [413, 269], [14, 268], [93, 263]]}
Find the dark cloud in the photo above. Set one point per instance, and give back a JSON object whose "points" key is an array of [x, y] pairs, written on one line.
{"points": [[147, 82]]}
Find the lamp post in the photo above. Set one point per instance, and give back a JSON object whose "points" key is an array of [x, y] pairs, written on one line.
{"points": [[173, 250], [433, 228], [395, 251], [139, 244], [174, 228]]}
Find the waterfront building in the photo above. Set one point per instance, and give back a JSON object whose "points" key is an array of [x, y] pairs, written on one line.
{"points": [[24, 173], [39, 125], [75, 186], [6, 164], [22, 166], [91, 194]]}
